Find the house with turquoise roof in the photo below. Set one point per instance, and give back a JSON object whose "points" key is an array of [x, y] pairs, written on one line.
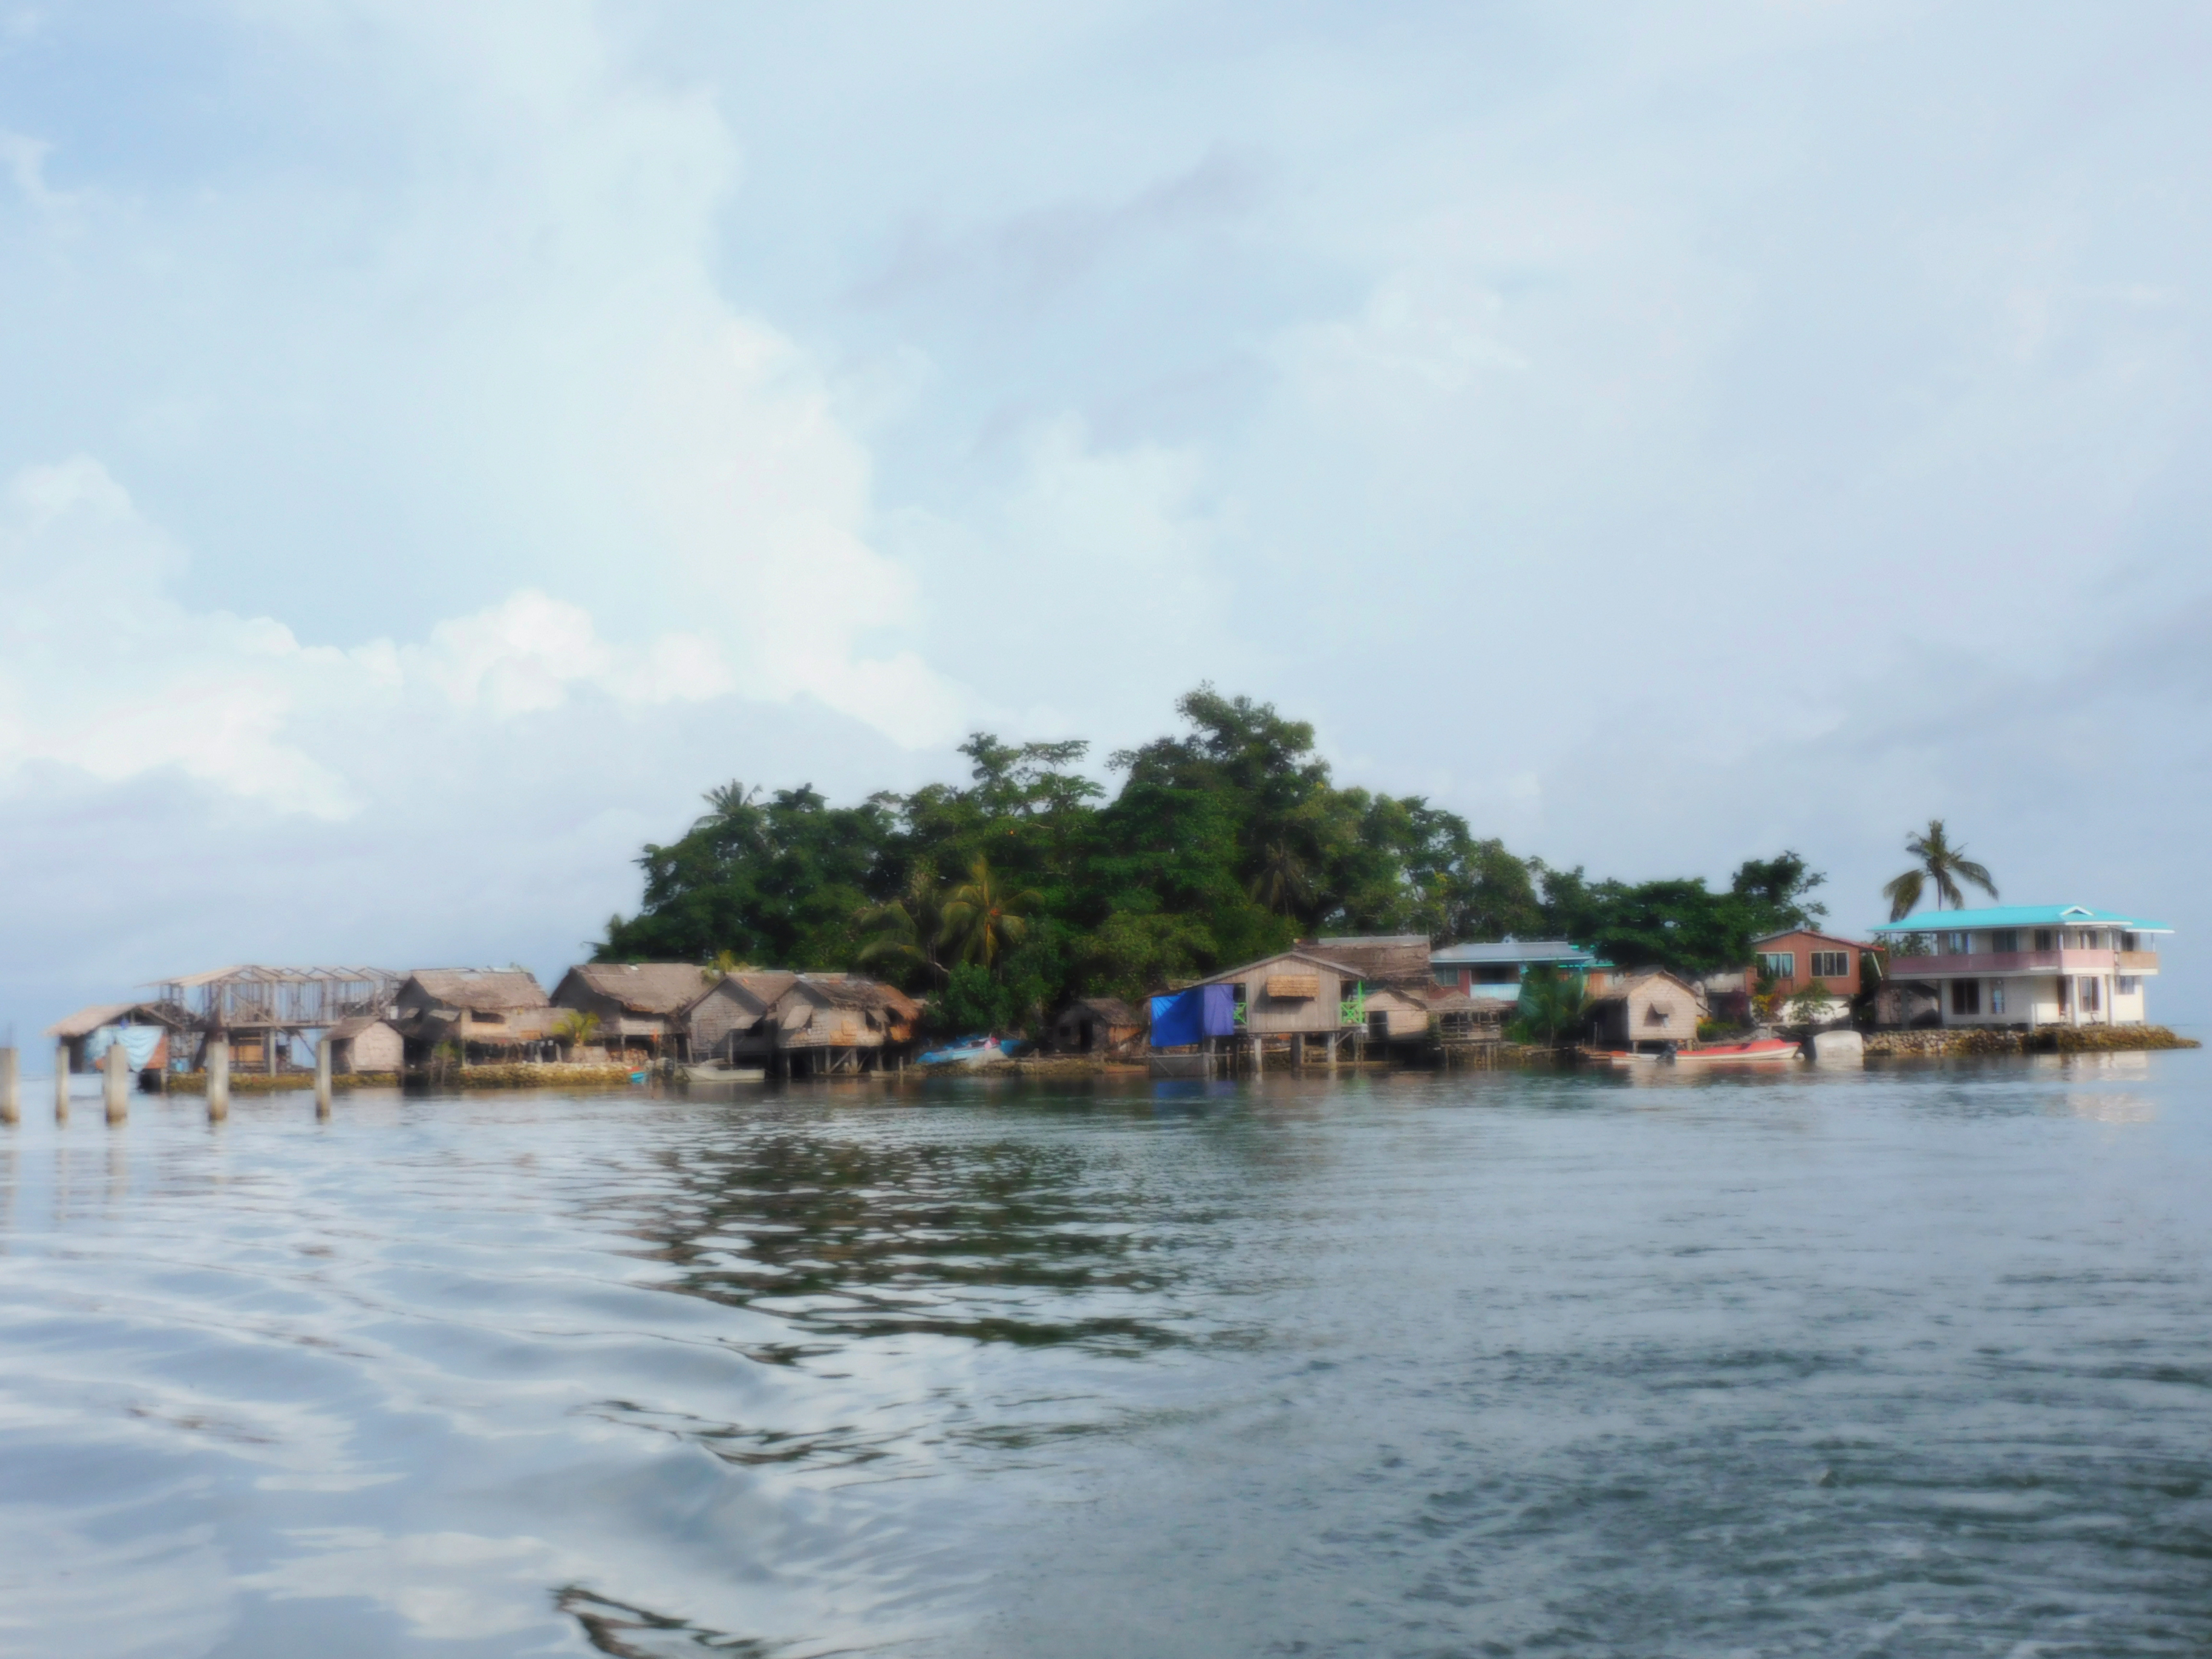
{"points": [[2019, 966]]}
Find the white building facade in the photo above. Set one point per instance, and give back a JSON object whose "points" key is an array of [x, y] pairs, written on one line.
{"points": [[2018, 966]]}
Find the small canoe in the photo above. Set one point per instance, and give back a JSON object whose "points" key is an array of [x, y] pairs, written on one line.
{"points": [[1765, 1050]]}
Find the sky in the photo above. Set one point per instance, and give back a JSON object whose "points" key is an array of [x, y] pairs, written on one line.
{"points": [[438, 443]]}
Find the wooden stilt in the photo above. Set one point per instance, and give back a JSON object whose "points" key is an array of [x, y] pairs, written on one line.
{"points": [[61, 1083], [323, 1077], [115, 1083], [218, 1078]]}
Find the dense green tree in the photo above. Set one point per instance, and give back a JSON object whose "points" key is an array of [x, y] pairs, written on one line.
{"points": [[1222, 843]]}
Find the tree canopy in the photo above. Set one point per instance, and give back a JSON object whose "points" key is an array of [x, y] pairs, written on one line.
{"points": [[1221, 843]]}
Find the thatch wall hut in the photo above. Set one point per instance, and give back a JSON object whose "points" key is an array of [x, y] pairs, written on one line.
{"points": [[363, 1044], [489, 1013], [639, 1005], [1093, 1025]]}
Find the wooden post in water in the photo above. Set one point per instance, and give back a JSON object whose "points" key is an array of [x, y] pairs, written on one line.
{"points": [[323, 1077], [61, 1083], [218, 1078], [115, 1084], [11, 1087]]}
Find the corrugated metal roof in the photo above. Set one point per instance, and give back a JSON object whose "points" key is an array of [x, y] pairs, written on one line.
{"points": [[2017, 916], [1513, 949]]}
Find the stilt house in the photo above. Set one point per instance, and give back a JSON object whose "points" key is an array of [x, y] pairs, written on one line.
{"points": [[488, 1014], [640, 1005], [729, 1023], [1646, 1011]]}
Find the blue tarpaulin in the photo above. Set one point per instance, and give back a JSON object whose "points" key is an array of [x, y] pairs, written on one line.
{"points": [[138, 1042], [1192, 1016]]}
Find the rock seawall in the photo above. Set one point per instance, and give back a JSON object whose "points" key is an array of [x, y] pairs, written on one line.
{"points": [[2049, 1040]]}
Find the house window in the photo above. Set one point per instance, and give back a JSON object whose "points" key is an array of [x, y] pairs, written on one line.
{"points": [[1447, 977], [1782, 964], [2065, 993], [2088, 995], [1655, 1015], [478, 1017], [2005, 939], [2126, 985], [1956, 944], [1831, 964], [2130, 942], [1965, 996], [2043, 939], [1997, 996]]}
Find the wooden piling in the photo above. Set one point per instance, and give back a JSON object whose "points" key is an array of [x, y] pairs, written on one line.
{"points": [[11, 1087], [61, 1083], [323, 1077], [218, 1078], [115, 1081]]}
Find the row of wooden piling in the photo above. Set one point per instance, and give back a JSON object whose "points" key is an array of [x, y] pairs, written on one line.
{"points": [[115, 1083]]}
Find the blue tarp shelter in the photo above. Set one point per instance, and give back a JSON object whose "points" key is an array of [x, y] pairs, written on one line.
{"points": [[1183, 1017], [138, 1042]]}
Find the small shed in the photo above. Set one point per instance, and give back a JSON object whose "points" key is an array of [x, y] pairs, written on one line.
{"points": [[639, 1005], [1093, 1025], [488, 1013], [363, 1044], [1646, 1011]]}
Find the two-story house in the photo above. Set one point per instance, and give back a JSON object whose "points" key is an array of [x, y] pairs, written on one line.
{"points": [[2025, 965]]}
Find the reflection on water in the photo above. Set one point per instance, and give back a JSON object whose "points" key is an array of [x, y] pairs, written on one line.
{"points": [[1913, 1361]]}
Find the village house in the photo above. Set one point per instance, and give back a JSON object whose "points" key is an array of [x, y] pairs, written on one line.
{"points": [[1303, 999], [639, 1006], [1097, 1025], [1492, 972], [1648, 1011], [730, 1025], [363, 1044], [485, 1013], [1801, 959], [2019, 967], [826, 1025]]}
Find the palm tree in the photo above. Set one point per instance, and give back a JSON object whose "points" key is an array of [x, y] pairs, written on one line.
{"points": [[1937, 864], [575, 1030], [1553, 1003], [979, 919], [905, 929], [1282, 882]]}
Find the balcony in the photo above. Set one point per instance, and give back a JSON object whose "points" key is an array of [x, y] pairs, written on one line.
{"points": [[1992, 965]]}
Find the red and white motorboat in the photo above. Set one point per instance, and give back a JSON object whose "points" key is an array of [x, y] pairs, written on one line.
{"points": [[1762, 1051]]}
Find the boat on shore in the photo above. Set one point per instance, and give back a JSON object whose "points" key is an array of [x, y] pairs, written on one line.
{"points": [[1759, 1051], [969, 1051]]}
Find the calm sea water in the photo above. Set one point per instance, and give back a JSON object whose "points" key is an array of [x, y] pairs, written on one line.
{"points": [[1906, 1361]]}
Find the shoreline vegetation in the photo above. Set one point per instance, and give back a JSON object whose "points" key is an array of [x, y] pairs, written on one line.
{"points": [[1002, 898]]}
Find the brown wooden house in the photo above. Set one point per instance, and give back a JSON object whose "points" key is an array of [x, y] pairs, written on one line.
{"points": [[487, 1013], [824, 1024], [1646, 1011], [641, 1006], [730, 1022]]}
